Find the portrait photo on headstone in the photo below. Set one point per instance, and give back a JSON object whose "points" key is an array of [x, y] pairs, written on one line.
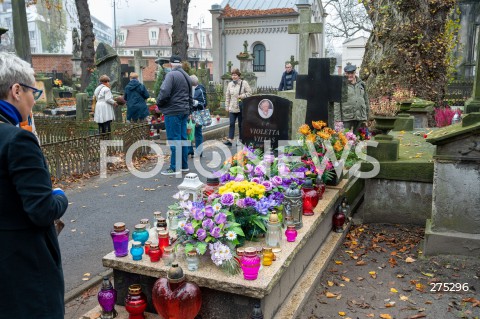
{"points": [[265, 108]]}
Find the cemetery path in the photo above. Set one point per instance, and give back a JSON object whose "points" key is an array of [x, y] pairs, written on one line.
{"points": [[97, 203], [376, 273]]}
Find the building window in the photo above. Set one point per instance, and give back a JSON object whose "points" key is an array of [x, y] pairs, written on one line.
{"points": [[121, 37], [31, 34], [153, 34], [259, 58]]}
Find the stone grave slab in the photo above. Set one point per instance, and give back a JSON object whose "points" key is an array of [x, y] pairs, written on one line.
{"points": [[224, 296], [266, 117], [455, 218]]}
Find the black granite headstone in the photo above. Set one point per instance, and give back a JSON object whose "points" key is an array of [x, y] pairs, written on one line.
{"points": [[266, 117], [319, 88]]}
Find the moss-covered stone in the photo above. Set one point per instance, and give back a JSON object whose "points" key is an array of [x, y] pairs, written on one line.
{"points": [[470, 123], [404, 122], [386, 150], [414, 163]]}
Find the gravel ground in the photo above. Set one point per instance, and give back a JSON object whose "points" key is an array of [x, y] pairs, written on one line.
{"points": [[379, 272]]}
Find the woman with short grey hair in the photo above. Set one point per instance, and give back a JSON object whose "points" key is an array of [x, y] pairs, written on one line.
{"points": [[30, 262]]}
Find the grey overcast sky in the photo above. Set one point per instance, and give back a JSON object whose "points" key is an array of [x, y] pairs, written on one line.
{"points": [[131, 11]]}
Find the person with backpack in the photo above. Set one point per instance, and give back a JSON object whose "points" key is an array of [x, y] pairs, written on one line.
{"points": [[199, 103], [355, 110], [135, 95]]}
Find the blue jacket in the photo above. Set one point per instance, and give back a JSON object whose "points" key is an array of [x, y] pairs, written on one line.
{"points": [[200, 95], [283, 83], [175, 97], [135, 95]]}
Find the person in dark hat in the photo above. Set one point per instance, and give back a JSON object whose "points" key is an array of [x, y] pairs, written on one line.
{"points": [[354, 111], [175, 101]]}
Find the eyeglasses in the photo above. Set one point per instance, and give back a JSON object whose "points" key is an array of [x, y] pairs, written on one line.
{"points": [[36, 92]]}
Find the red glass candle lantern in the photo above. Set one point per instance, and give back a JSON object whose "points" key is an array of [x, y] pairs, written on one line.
{"points": [[135, 302], [320, 187], [338, 219], [175, 298], [291, 233], [147, 247], [211, 187], [163, 239], [250, 263], [155, 253], [310, 198]]}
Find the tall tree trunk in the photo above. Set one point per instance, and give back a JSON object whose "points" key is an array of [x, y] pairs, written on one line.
{"points": [[179, 35], [408, 47], [87, 38], [20, 30]]}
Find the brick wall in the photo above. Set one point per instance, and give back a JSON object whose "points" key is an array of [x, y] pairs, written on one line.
{"points": [[45, 63], [62, 63], [149, 71]]}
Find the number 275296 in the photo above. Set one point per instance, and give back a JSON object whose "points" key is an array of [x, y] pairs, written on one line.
{"points": [[449, 287]]}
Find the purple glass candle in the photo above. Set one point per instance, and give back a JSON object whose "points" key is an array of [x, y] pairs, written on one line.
{"points": [[291, 233], [250, 263], [120, 239], [107, 296]]}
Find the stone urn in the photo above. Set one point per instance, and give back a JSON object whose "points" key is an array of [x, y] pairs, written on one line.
{"points": [[384, 123], [175, 298]]}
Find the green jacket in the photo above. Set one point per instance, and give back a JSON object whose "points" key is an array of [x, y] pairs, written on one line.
{"points": [[356, 107]]}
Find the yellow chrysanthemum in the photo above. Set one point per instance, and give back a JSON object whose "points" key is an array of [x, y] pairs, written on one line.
{"points": [[337, 146], [318, 124], [304, 129], [311, 137], [323, 135]]}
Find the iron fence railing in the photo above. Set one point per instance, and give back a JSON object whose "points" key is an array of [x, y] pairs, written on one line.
{"points": [[458, 92], [73, 147]]}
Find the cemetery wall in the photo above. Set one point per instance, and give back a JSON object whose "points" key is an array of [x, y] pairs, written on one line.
{"points": [[46, 63]]}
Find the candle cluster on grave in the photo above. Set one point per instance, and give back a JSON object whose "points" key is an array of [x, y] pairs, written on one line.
{"points": [[255, 197]]}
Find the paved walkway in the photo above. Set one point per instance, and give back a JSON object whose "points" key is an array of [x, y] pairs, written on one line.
{"points": [[97, 203]]}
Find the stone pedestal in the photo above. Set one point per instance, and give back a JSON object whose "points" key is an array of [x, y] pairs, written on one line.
{"points": [[77, 70], [82, 106], [472, 105], [234, 297], [404, 122], [386, 150], [46, 85], [455, 220], [299, 110], [421, 110]]}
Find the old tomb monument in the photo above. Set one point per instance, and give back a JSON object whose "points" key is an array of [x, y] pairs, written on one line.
{"points": [[266, 118]]}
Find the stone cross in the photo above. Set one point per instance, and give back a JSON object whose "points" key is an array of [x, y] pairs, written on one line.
{"points": [[292, 61], [319, 88], [139, 64], [305, 28], [473, 104], [229, 66]]}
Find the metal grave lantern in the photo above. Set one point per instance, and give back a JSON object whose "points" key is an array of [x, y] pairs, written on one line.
{"points": [[293, 205], [192, 186]]}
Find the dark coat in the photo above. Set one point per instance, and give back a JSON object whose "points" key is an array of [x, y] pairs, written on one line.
{"points": [[31, 273], [175, 96], [135, 95]]}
